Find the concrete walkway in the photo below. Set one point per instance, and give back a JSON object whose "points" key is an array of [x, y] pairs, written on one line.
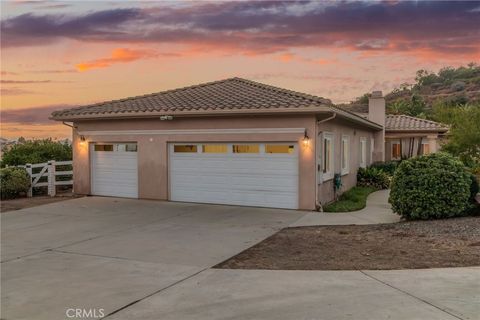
{"points": [[377, 210], [440, 294]]}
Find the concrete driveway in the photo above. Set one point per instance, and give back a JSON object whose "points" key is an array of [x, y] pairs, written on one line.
{"points": [[133, 259], [106, 253]]}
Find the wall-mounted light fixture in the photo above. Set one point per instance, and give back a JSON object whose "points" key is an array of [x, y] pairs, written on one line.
{"points": [[306, 139], [82, 140]]}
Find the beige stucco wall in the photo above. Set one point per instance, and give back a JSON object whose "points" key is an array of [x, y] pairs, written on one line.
{"points": [[153, 148], [326, 192]]}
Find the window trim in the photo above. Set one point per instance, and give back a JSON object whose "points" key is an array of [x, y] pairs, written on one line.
{"points": [[328, 175], [392, 143], [363, 152], [345, 142]]}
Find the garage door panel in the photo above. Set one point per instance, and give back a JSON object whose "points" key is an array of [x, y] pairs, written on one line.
{"points": [[241, 198], [269, 180]]}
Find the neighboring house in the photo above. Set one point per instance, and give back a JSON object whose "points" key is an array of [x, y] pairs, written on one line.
{"points": [[405, 136], [229, 142]]}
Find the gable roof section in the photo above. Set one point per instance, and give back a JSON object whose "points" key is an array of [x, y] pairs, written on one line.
{"points": [[230, 96], [408, 123]]}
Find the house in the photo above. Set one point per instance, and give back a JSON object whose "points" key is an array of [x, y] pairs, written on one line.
{"points": [[233, 141], [405, 136]]}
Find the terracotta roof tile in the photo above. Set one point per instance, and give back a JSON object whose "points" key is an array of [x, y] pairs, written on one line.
{"points": [[408, 123], [234, 94], [229, 94]]}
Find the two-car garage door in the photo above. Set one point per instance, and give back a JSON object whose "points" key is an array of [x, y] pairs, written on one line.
{"points": [[249, 174]]}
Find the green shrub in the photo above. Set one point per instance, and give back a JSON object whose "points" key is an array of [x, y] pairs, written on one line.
{"points": [[14, 182], [373, 177], [36, 151], [388, 167], [432, 186]]}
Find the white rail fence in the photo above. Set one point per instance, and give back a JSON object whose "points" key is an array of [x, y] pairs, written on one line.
{"points": [[48, 170]]}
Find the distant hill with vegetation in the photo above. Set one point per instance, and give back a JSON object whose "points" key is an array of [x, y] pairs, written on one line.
{"points": [[450, 96], [448, 87]]}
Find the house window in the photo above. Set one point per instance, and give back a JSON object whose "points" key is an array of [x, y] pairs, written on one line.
{"points": [[425, 148], [188, 148], [279, 148], [214, 148], [246, 148], [327, 164], [396, 150], [345, 154], [363, 152], [103, 147]]}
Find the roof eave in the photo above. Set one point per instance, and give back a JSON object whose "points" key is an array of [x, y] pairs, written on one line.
{"points": [[356, 118], [225, 112], [442, 130], [190, 113]]}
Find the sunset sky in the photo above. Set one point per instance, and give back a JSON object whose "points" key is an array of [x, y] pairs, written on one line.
{"points": [[61, 54]]}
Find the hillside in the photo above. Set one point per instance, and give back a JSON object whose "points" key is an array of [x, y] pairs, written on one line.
{"points": [[449, 86]]}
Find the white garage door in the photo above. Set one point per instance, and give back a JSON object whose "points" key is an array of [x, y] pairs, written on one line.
{"points": [[249, 174], [114, 170]]}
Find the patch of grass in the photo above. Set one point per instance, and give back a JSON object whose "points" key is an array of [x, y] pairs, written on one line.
{"points": [[352, 200]]}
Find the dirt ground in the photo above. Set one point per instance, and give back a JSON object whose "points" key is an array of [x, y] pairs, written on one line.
{"points": [[404, 245], [21, 203]]}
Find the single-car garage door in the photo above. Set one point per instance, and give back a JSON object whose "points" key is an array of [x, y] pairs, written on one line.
{"points": [[249, 174], [114, 170]]}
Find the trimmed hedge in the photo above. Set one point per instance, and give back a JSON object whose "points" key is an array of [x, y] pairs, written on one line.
{"points": [[431, 186], [14, 182], [373, 177]]}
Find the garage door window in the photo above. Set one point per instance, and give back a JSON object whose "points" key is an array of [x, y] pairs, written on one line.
{"points": [[214, 148], [279, 148], [189, 148], [246, 148], [127, 147], [103, 147]]}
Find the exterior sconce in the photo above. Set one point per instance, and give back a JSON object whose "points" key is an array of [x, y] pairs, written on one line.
{"points": [[306, 139], [82, 140]]}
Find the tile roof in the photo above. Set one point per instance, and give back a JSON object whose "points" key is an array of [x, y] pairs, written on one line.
{"points": [[355, 107], [408, 123], [230, 94]]}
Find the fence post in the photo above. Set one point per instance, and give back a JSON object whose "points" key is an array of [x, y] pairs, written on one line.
{"points": [[51, 178], [28, 167]]}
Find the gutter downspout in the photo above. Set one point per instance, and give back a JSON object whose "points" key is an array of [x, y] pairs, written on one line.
{"points": [[69, 125], [318, 205]]}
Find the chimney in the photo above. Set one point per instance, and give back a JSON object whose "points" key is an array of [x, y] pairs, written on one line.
{"points": [[376, 113], [376, 108]]}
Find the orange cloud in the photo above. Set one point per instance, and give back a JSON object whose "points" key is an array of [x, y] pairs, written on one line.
{"points": [[119, 55], [286, 57]]}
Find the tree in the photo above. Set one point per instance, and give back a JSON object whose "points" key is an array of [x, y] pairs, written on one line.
{"points": [[464, 136], [416, 107], [36, 151]]}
